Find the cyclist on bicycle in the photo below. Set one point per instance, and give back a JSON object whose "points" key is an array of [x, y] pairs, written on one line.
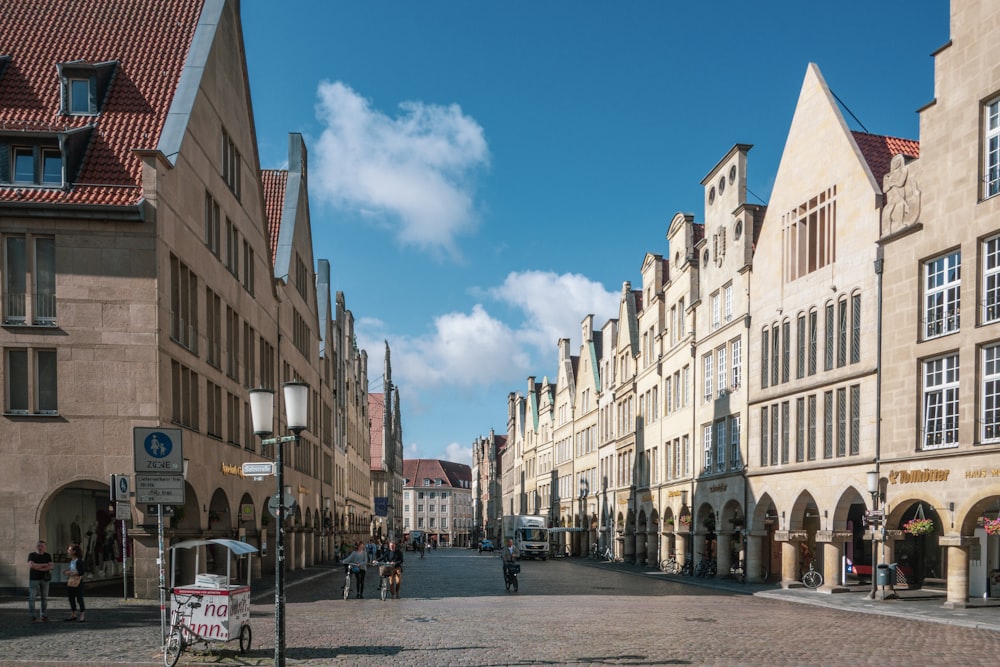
{"points": [[508, 555], [357, 562], [394, 555]]}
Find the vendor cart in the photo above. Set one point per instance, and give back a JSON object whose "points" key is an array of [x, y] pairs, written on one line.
{"points": [[211, 609]]}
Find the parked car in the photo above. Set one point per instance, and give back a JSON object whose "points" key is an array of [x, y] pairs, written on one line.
{"points": [[485, 545]]}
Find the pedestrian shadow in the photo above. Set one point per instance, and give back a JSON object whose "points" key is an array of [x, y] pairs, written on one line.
{"points": [[334, 652]]}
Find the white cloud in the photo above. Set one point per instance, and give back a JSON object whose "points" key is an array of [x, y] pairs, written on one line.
{"points": [[462, 350], [554, 306], [458, 453], [413, 171]]}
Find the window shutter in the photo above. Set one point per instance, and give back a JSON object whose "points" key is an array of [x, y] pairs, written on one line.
{"points": [[4, 163]]}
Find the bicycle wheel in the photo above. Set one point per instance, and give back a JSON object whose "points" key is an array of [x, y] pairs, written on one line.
{"points": [[173, 648], [347, 588], [812, 579], [514, 577], [764, 574], [384, 589], [246, 636], [665, 565]]}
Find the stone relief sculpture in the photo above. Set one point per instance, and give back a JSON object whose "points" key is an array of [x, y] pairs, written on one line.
{"points": [[902, 197]]}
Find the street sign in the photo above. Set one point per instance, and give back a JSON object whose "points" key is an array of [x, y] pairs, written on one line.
{"points": [[875, 514], [157, 450], [258, 469], [119, 487], [168, 510], [272, 506], [159, 488], [123, 510]]}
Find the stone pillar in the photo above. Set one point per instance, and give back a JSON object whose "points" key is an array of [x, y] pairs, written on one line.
{"points": [[653, 548], [145, 571], [833, 550], [628, 548], [790, 565], [723, 555], [958, 570], [755, 558]]}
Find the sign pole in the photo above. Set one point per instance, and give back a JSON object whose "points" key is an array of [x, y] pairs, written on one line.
{"points": [[124, 561], [163, 583]]}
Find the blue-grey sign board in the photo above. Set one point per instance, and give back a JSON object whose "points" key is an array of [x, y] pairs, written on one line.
{"points": [[158, 450], [381, 506]]}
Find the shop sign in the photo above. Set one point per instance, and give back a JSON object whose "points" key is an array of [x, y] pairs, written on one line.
{"points": [[230, 469], [246, 512], [980, 473], [918, 476], [718, 488]]}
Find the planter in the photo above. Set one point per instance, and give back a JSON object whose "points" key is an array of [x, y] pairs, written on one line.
{"points": [[992, 526], [918, 527]]}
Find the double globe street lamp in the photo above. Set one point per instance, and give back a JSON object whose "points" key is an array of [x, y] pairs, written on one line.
{"points": [[296, 420]]}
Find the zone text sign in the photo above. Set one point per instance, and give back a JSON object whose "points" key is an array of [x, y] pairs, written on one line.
{"points": [[158, 450], [159, 489]]}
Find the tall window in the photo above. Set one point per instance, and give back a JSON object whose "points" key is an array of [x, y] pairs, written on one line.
{"points": [[212, 224], [716, 311], [765, 350], [828, 424], [855, 328], [786, 349], [828, 351], [775, 361], [213, 327], [800, 347], [811, 429], [800, 429], [706, 440], [231, 164], [990, 416], [37, 279], [841, 421], [720, 357], [855, 437], [940, 394], [32, 386], [708, 377], [809, 235], [735, 460], [184, 395], [727, 293], [813, 340], [720, 445], [942, 285], [183, 305], [991, 279], [737, 363], [763, 436], [991, 146], [841, 333]]}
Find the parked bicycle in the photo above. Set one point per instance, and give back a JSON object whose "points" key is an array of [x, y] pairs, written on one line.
{"points": [[706, 567], [670, 565], [812, 578], [688, 568]]}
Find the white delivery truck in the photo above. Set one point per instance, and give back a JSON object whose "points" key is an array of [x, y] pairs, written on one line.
{"points": [[530, 535]]}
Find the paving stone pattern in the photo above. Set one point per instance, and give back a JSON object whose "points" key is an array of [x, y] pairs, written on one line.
{"points": [[454, 611]]}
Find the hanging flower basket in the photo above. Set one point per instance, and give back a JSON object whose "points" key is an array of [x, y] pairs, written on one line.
{"points": [[992, 526], [685, 522], [919, 526]]}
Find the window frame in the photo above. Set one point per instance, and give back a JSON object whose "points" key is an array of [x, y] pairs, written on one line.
{"points": [[946, 391]]}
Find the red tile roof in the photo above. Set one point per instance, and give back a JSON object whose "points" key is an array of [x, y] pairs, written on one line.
{"points": [[878, 151], [273, 181], [452, 474], [150, 41]]}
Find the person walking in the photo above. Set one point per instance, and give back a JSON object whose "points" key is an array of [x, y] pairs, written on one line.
{"points": [[39, 575], [74, 583], [358, 562]]}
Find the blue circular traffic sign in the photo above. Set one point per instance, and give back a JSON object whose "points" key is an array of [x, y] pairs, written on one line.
{"points": [[158, 445]]}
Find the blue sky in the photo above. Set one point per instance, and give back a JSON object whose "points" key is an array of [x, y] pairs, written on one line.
{"points": [[485, 174]]}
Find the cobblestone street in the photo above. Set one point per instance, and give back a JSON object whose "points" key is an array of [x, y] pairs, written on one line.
{"points": [[455, 611]]}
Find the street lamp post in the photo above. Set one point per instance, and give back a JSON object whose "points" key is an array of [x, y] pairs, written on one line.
{"points": [[872, 477], [262, 415]]}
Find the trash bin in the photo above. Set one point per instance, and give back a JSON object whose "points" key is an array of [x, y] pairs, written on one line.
{"points": [[886, 575]]}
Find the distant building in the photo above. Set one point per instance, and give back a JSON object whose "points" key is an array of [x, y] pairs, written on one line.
{"points": [[437, 499], [386, 458]]}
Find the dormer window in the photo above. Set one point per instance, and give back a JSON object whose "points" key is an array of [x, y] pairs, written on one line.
{"points": [[84, 86], [44, 159]]}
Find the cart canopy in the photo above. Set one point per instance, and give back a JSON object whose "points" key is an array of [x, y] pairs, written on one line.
{"points": [[237, 547]]}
